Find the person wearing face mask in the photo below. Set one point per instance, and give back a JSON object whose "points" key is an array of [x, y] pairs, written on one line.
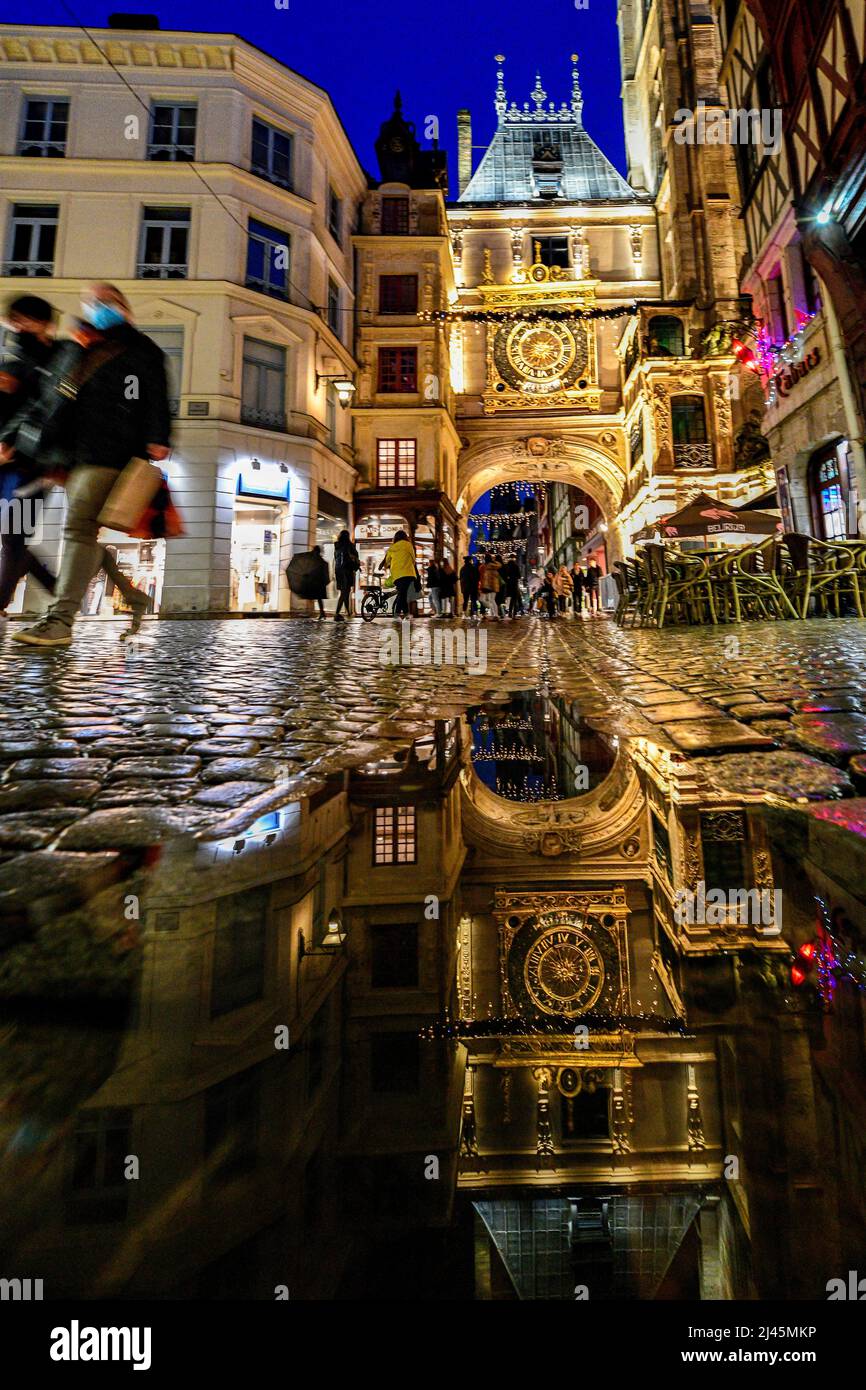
{"points": [[106, 402], [27, 353]]}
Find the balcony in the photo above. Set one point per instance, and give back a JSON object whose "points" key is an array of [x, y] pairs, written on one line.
{"points": [[272, 176], [31, 268], [42, 149], [174, 152], [693, 456], [162, 271], [263, 419]]}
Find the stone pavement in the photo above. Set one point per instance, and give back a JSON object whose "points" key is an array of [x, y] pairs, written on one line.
{"points": [[201, 727]]}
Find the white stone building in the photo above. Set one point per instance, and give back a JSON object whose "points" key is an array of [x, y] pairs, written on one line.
{"points": [[219, 191]]}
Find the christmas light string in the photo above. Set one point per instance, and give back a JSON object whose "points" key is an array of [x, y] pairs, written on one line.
{"points": [[551, 1025]]}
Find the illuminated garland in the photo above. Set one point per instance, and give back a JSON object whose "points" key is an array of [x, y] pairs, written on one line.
{"points": [[834, 958], [525, 315], [552, 1025]]}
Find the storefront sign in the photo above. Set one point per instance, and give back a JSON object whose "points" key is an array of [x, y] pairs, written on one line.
{"points": [[786, 381], [267, 480]]}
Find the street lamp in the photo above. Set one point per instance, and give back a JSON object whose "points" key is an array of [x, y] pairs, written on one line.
{"points": [[332, 941], [342, 384]]}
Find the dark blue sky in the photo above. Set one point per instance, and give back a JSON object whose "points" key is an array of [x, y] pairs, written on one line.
{"points": [[439, 54]]}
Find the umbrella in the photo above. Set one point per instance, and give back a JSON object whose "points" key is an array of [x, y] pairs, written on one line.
{"points": [[306, 574], [706, 516]]}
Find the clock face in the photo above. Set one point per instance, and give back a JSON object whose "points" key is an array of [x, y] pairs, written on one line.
{"points": [[543, 356], [563, 971]]}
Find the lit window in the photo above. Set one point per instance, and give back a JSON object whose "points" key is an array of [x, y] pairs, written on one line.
{"points": [[395, 462], [395, 216], [172, 132], [395, 835], [43, 129]]}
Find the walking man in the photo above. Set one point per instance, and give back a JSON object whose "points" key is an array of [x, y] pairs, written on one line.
{"points": [[111, 407]]}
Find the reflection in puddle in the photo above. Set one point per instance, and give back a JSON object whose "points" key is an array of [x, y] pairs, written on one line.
{"points": [[537, 748], [398, 1035]]}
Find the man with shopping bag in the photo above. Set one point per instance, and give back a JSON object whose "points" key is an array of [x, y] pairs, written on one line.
{"points": [[107, 406]]}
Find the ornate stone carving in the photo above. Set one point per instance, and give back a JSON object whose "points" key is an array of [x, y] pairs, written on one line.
{"points": [[469, 1133], [695, 1121], [544, 1146], [537, 446], [621, 1116]]}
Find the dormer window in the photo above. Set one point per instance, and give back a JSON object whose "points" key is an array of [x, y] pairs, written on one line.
{"points": [[547, 171]]}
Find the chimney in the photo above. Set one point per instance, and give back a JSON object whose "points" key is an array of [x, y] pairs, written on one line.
{"points": [[464, 150], [133, 21]]}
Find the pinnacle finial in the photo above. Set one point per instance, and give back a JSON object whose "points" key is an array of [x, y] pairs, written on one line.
{"points": [[576, 94], [500, 101], [538, 94]]}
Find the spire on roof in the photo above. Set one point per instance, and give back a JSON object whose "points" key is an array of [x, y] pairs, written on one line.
{"points": [[538, 94], [501, 101], [576, 94]]}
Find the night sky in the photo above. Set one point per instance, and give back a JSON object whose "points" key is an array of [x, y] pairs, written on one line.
{"points": [[439, 54]]}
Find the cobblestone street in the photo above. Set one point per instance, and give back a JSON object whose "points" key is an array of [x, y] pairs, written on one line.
{"points": [[201, 727]]}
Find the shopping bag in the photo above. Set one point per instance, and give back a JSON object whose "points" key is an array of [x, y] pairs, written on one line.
{"points": [[161, 519], [131, 495]]}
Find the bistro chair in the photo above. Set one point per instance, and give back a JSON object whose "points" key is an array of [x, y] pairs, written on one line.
{"points": [[821, 572], [747, 583], [681, 586], [628, 590]]}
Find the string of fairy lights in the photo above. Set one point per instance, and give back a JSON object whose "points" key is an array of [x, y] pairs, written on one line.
{"points": [[521, 315], [551, 1025]]}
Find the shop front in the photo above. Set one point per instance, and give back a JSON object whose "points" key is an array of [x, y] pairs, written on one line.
{"points": [[332, 517], [143, 563], [260, 516]]}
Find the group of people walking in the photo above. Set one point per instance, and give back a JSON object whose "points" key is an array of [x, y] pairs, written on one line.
{"points": [[75, 411], [484, 586]]}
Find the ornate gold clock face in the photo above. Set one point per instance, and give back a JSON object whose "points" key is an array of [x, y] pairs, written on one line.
{"points": [[542, 351], [563, 971]]}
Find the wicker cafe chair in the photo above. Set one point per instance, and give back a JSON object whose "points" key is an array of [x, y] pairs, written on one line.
{"points": [[821, 572], [681, 586], [747, 583], [628, 590], [645, 587]]}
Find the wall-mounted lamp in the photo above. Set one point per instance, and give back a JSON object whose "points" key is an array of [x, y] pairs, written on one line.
{"points": [[825, 215], [254, 463], [343, 385], [332, 941]]}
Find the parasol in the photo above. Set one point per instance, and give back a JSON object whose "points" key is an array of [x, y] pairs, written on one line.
{"points": [[706, 516]]}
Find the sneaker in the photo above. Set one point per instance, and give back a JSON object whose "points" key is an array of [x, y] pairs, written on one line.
{"points": [[50, 632], [140, 604]]}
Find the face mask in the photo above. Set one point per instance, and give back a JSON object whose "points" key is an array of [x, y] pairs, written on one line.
{"points": [[102, 316]]}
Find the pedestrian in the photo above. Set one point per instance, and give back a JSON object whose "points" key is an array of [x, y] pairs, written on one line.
{"points": [[578, 581], [28, 350], [102, 423], [564, 588], [320, 578], [402, 573], [469, 580], [593, 576], [347, 562], [548, 593], [448, 587], [489, 583], [434, 577], [511, 583]]}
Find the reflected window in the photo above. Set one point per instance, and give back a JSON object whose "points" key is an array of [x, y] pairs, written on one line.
{"points": [[662, 847], [723, 839], [231, 1123], [98, 1188], [394, 955], [586, 1115], [239, 951], [395, 835], [396, 462]]}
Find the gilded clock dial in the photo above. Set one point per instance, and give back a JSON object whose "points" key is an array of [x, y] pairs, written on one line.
{"points": [[563, 971], [542, 351]]}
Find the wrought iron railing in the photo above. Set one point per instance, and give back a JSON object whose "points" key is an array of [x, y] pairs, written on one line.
{"points": [[36, 149], [265, 419], [166, 270], [28, 267], [693, 456], [173, 152]]}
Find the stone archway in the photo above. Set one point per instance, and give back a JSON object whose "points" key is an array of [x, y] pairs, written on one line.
{"points": [[595, 465]]}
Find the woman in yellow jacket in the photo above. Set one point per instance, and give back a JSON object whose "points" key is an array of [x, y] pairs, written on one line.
{"points": [[402, 568]]}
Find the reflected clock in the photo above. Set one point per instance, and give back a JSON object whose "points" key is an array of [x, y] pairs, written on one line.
{"points": [[563, 962]]}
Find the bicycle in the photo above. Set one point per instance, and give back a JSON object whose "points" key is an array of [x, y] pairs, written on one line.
{"points": [[375, 601]]}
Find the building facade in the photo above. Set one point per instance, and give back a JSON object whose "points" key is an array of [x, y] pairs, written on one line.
{"points": [[220, 192]]}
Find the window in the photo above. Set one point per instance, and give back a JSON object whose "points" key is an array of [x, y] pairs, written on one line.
{"points": [[398, 369], [635, 444], [335, 216], [231, 1123], [723, 840], [98, 1189], [394, 839], [268, 260], [172, 132], [398, 294], [272, 154], [395, 216], [32, 236], [665, 336], [263, 385], [780, 326], [829, 492], [551, 250], [394, 956], [334, 307], [395, 462], [239, 951], [689, 425], [164, 251], [394, 1063], [586, 1115], [170, 340], [662, 847], [43, 129]]}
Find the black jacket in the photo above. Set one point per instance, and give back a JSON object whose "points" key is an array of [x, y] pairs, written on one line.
{"points": [[102, 417]]}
